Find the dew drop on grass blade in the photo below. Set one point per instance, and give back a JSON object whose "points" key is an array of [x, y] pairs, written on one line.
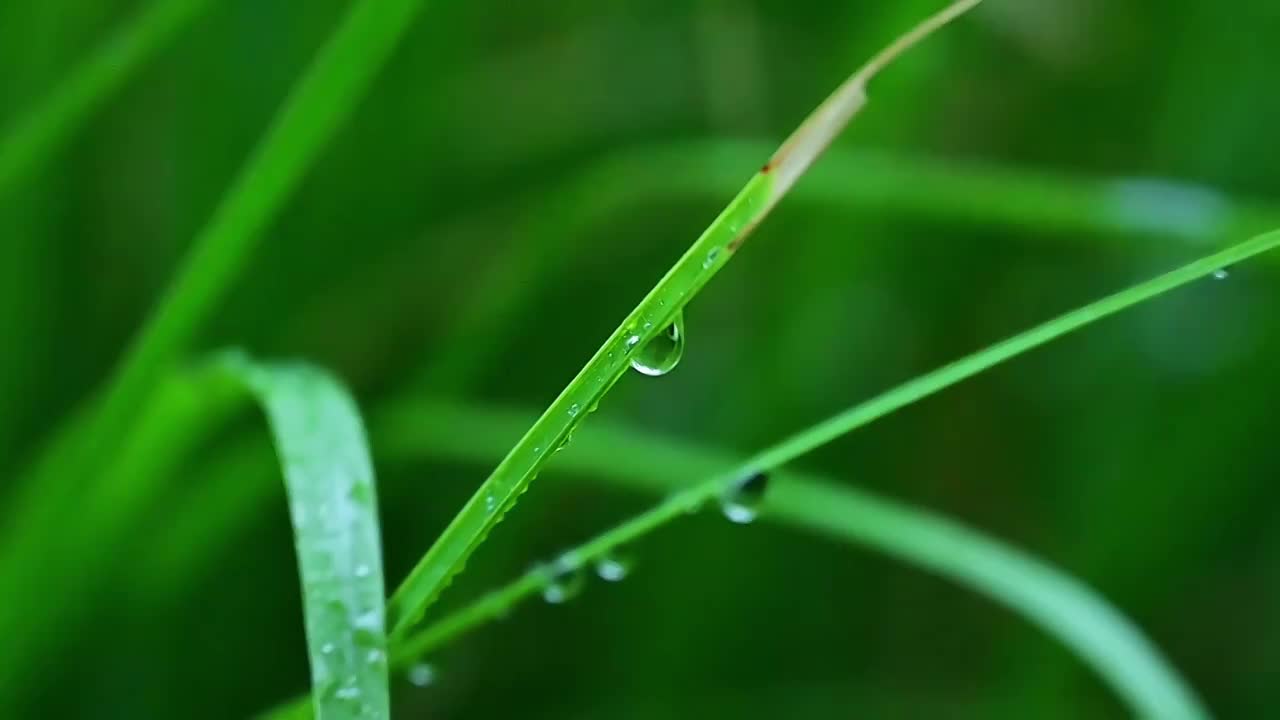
{"points": [[321, 445], [658, 311], [660, 355]]}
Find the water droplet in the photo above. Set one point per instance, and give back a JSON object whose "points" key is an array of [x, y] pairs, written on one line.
{"points": [[574, 409], [348, 693], [327, 648], [741, 502], [631, 343], [375, 657], [612, 568], [566, 584], [490, 503], [663, 352], [362, 571], [1222, 273], [712, 254], [371, 620], [421, 674]]}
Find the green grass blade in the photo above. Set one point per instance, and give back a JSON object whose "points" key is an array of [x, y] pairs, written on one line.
{"points": [[856, 180], [971, 365], [398, 428], [1086, 210], [316, 107], [330, 484], [38, 133], [1081, 617], [1063, 607], [655, 312]]}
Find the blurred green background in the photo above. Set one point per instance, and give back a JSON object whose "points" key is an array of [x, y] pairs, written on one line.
{"points": [[1014, 167]]}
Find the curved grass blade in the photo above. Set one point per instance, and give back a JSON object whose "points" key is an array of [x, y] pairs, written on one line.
{"points": [[655, 312], [1060, 605], [37, 134], [329, 481], [1051, 599], [860, 179], [318, 104]]}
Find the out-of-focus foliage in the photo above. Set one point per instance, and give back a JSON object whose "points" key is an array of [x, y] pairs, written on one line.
{"points": [[1137, 455]]}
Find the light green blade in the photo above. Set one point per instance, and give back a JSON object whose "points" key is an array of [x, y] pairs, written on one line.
{"points": [[329, 480]]}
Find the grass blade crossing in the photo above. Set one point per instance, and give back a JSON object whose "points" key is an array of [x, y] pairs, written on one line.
{"points": [[658, 310]]}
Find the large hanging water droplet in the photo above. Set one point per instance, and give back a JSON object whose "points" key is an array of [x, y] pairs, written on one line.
{"points": [[565, 585], [741, 502], [421, 674], [661, 354], [613, 568]]}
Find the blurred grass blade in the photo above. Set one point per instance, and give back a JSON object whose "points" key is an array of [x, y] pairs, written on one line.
{"points": [[1060, 605], [1055, 601], [652, 316], [399, 427], [329, 480], [857, 181], [35, 135], [318, 104]]}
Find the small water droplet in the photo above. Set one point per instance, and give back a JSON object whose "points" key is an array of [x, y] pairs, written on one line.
{"points": [[612, 568], [574, 409], [712, 254], [421, 674], [370, 620], [375, 657], [327, 648], [1222, 273], [741, 502], [490, 503], [348, 693], [631, 343], [536, 450], [661, 354], [362, 571], [566, 584]]}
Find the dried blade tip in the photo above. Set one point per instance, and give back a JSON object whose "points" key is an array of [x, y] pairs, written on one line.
{"points": [[830, 118]]}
